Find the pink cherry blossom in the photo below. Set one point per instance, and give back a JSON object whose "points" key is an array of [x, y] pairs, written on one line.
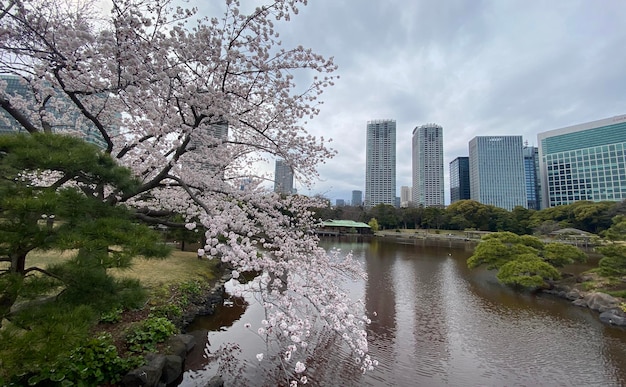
{"points": [[192, 105], [300, 367]]}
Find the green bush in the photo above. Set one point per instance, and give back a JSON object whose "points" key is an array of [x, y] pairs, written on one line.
{"points": [[168, 311], [92, 364], [95, 287], [192, 288], [111, 317], [39, 338], [147, 334]]}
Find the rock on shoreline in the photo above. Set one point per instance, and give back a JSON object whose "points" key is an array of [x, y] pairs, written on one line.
{"points": [[605, 304], [166, 369]]}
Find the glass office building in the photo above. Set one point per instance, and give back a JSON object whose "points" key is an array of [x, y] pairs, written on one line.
{"points": [[459, 179], [584, 162], [497, 171], [380, 163], [531, 171]]}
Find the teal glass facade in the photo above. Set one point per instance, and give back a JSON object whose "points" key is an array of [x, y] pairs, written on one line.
{"points": [[584, 162]]}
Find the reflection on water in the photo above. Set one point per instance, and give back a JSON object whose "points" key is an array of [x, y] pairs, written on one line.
{"points": [[438, 323]]}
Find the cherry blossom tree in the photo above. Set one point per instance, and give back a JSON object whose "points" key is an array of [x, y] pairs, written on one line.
{"points": [[191, 105]]}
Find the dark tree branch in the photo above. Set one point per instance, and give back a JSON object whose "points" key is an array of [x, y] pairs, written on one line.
{"points": [[18, 116]]}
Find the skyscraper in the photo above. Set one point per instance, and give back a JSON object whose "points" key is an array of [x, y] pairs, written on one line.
{"points": [[212, 137], [428, 183], [283, 178], [405, 196], [531, 173], [583, 162], [357, 198], [380, 163], [459, 179], [497, 171]]}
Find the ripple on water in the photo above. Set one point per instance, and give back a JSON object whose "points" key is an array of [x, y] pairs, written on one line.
{"points": [[440, 324]]}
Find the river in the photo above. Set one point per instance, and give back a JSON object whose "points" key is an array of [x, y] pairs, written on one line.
{"points": [[438, 324]]}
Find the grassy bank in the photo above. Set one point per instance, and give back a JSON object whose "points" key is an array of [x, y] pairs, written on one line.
{"points": [[180, 266], [177, 288]]}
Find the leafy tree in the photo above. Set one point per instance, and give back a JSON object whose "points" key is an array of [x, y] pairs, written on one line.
{"points": [[559, 254], [527, 271], [50, 199], [474, 212], [521, 220], [523, 261], [592, 217], [613, 262], [386, 215], [160, 86], [373, 223], [497, 249], [411, 217], [433, 217], [65, 212]]}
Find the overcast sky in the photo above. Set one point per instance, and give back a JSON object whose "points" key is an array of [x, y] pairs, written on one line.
{"points": [[500, 67]]}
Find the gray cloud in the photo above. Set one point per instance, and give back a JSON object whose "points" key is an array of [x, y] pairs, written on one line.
{"points": [[474, 67]]}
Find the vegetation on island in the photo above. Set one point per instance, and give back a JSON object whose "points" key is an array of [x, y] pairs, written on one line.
{"points": [[523, 261]]}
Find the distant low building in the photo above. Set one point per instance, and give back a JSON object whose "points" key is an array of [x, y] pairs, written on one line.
{"points": [[343, 227]]}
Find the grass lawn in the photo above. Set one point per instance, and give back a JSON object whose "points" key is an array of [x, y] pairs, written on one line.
{"points": [[178, 267]]}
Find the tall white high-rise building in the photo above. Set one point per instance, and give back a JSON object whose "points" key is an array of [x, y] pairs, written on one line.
{"points": [[380, 163], [427, 152], [497, 171]]}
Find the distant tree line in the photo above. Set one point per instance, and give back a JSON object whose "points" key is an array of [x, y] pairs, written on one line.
{"points": [[593, 217]]}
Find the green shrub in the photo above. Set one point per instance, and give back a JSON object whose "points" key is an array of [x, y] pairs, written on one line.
{"points": [[92, 364], [111, 317], [168, 311], [192, 288], [39, 339], [147, 334]]}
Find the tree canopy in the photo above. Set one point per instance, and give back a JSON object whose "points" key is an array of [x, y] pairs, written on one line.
{"points": [[613, 262], [523, 261]]}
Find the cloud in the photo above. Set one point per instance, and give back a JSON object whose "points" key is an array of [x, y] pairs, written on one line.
{"points": [[474, 67]]}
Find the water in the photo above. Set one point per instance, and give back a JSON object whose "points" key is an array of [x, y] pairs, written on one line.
{"points": [[438, 324]]}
